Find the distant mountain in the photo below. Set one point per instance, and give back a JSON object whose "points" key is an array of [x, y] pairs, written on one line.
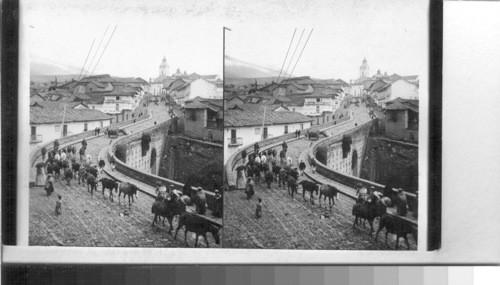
{"points": [[44, 72], [234, 70], [248, 81]]}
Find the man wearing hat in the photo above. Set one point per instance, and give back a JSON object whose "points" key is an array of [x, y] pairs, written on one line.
{"points": [[362, 192], [249, 188], [199, 201], [218, 207], [401, 203]]}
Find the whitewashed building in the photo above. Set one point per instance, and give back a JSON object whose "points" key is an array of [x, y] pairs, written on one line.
{"points": [[53, 120], [397, 89], [243, 128]]}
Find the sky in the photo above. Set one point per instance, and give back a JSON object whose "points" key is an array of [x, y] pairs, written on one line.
{"points": [[392, 35], [61, 33]]}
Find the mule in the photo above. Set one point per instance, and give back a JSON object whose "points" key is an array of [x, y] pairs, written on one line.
{"points": [[330, 192], [368, 210], [291, 185], [276, 171], [128, 189], [82, 175], [268, 178], [396, 226], [91, 184], [198, 226], [167, 208], [310, 187], [283, 177], [109, 184]]}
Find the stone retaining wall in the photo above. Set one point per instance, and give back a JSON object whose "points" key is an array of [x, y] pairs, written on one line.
{"points": [[230, 178], [36, 154], [144, 177], [350, 180]]}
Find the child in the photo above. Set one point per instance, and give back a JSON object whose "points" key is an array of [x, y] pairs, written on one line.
{"points": [[258, 209], [58, 205]]}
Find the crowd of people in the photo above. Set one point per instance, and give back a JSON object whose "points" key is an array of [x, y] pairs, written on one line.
{"points": [[188, 198], [389, 196], [66, 164], [271, 167]]}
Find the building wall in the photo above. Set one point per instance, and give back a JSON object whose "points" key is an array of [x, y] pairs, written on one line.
{"points": [[198, 128], [398, 128], [156, 88], [404, 90], [325, 117], [253, 134], [134, 156], [356, 90], [335, 158], [51, 132], [90, 87], [125, 103], [204, 89]]}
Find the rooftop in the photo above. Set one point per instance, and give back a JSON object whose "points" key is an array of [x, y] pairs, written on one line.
{"points": [[402, 104], [237, 118], [54, 112]]}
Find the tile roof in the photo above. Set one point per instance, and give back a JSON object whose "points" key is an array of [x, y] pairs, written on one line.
{"points": [[215, 102], [320, 95], [237, 118], [209, 77], [95, 98], [298, 86], [54, 113], [256, 107], [402, 104]]}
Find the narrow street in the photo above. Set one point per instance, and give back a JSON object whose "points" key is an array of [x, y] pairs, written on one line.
{"points": [[96, 221], [295, 223]]}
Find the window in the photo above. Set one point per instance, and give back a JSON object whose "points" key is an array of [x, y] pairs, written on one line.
{"points": [[318, 99], [317, 109], [301, 126], [257, 131], [57, 128], [93, 107], [117, 98], [286, 129], [90, 88], [102, 124], [117, 107], [85, 127], [293, 109]]}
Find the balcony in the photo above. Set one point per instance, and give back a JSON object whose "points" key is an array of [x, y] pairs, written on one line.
{"points": [[233, 142], [35, 138]]}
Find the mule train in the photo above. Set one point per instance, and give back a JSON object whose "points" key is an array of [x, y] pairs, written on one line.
{"points": [[279, 170], [174, 203]]}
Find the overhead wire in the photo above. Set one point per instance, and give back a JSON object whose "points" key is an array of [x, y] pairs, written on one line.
{"points": [[98, 47], [300, 53], [297, 61], [286, 56], [295, 50], [86, 59], [104, 50]]}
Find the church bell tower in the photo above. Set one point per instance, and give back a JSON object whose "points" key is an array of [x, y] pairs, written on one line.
{"points": [[163, 68], [364, 69]]}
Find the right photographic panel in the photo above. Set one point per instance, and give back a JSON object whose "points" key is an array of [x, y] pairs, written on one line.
{"points": [[325, 129]]}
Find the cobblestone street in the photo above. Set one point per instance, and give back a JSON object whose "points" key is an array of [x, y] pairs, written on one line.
{"points": [[96, 221], [294, 223]]}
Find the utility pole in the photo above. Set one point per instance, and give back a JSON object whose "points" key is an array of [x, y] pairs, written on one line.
{"points": [[223, 63], [64, 117], [263, 121]]}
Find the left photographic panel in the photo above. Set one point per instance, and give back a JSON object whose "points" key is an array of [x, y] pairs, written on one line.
{"points": [[125, 125]]}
